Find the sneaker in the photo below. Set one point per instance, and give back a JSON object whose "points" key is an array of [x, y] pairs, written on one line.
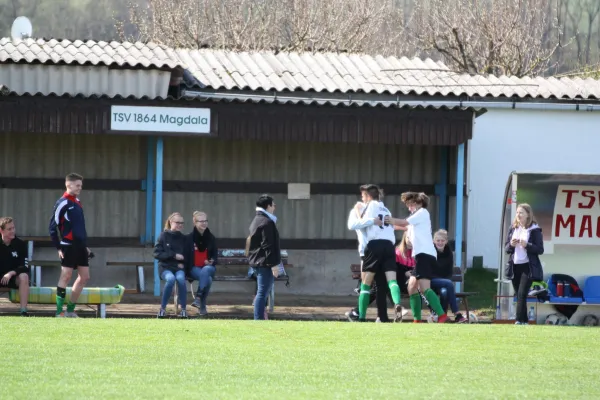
{"points": [[521, 323], [442, 319], [183, 314], [459, 319], [378, 320], [24, 313], [71, 314], [400, 313], [196, 303], [417, 321], [352, 315], [60, 315], [537, 290], [203, 310], [266, 315], [161, 313]]}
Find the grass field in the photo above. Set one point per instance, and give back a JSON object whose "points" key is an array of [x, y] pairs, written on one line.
{"points": [[49, 358]]}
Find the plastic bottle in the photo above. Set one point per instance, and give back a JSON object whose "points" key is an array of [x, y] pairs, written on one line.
{"points": [[498, 315], [532, 313]]}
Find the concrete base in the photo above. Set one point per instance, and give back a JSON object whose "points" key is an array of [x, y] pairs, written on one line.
{"points": [[315, 272]]}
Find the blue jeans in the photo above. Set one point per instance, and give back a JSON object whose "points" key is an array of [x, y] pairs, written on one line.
{"points": [[170, 279], [264, 280], [204, 276], [445, 288]]}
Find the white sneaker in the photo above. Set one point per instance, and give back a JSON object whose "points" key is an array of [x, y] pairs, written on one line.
{"points": [[71, 314]]}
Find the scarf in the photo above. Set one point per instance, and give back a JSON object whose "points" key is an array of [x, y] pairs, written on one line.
{"points": [[202, 241], [268, 214]]}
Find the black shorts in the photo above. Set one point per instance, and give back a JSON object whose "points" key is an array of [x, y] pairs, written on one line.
{"points": [[425, 265], [380, 255], [402, 278], [74, 256], [12, 283]]}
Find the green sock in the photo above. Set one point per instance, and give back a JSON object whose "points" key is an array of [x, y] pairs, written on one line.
{"points": [[61, 293], [434, 302], [70, 307], [415, 306], [363, 300], [394, 290]]}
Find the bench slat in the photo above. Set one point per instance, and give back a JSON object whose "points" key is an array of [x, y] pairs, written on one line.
{"points": [[130, 263]]}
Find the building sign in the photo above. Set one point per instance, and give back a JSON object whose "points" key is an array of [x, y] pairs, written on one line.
{"points": [[576, 215], [160, 119]]}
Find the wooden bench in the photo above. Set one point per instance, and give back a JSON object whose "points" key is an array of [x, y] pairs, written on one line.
{"points": [[99, 297], [457, 277], [236, 258]]}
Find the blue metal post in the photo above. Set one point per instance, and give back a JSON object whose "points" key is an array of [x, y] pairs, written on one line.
{"points": [[441, 190], [149, 186], [158, 206], [460, 183]]}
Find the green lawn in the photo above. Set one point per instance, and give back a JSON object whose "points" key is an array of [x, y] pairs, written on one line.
{"points": [[49, 358]]}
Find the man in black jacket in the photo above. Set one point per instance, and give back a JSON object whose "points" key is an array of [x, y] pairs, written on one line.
{"points": [[264, 251], [14, 273]]}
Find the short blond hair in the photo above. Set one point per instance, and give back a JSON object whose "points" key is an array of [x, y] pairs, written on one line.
{"points": [[5, 221], [442, 234]]}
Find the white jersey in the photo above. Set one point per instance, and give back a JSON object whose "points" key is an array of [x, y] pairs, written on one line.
{"points": [[420, 233], [377, 210], [354, 225]]}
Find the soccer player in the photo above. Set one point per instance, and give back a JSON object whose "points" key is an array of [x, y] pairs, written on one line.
{"points": [[379, 254], [14, 273], [379, 291], [68, 234], [423, 250]]}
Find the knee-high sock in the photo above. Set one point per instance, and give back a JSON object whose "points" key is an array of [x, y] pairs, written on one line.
{"points": [[61, 293], [363, 300], [434, 302], [415, 306], [395, 291]]}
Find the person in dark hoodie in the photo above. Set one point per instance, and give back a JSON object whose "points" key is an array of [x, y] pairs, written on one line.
{"points": [[173, 251], [524, 243], [441, 281], [204, 259], [264, 251]]}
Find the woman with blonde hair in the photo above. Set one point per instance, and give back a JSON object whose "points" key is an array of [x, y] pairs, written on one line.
{"points": [[524, 243], [173, 252], [441, 277], [204, 259]]}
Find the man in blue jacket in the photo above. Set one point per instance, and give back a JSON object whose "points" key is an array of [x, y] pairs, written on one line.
{"points": [[68, 234]]}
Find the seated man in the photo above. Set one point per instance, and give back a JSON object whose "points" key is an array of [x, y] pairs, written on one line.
{"points": [[14, 273]]}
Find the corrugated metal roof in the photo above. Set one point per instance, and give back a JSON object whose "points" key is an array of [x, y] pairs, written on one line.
{"points": [[297, 72], [348, 73], [85, 80], [54, 51]]}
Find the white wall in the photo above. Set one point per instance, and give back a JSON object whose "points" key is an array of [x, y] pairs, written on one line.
{"points": [[521, 140]]}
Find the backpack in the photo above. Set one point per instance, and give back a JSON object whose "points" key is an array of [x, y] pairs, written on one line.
{"points": [[574, 289]]}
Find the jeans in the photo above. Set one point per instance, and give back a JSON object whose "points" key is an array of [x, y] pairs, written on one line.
{"points": [[264, 280], [204, 276], [170, 279], [521, 283], [445, 288]]}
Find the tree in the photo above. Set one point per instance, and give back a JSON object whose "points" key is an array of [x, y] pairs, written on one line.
{"points": [[289, 25], [500, 37]]}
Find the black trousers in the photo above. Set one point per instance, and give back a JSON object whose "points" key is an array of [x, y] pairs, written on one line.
{"points": [[521, 283], [380, 292]]}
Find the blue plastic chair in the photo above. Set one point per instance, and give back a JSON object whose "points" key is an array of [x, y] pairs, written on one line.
{"points": [[591, 290]]}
